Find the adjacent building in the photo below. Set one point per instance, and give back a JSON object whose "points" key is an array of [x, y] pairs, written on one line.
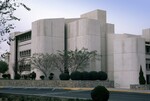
{"points": [[121, 55]]}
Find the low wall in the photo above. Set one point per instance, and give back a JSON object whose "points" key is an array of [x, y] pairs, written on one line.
{"points": [[54, 83], [14, 97], [140, 87]]}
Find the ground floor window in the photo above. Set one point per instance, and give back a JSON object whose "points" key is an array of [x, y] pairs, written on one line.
{"points": [[148, 79]]}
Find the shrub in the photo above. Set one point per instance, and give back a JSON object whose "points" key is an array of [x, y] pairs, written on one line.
{"points": [[76, 75], [8, 76], [142, 80], [100, 93], [93, 75], [3, 66], [64, 76], [42, 77], [25, 77], [85, 75], [51, 75], [17, 76], [4, 76], [33, 75], [102, 75]]}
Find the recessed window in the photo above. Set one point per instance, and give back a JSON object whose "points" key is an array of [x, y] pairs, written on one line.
{"points": [[147, 49], [24, 67], [147, 42], [148, 67], [24, 37], [25, 53]]}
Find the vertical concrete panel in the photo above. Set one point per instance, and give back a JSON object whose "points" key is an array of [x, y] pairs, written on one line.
{"points": [[127, 61], [110, 28], [12, 56], [48, 36], [88, 36]]}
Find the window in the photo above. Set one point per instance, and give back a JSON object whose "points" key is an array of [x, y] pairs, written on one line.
{"points": [[25, 67], [147, 49], [25, 53], [148, 79], [24, 37], [147, 67], [147, 42]]}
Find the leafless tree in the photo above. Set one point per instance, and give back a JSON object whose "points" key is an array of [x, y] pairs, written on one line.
{"points": [[7, 9], [76, 60], [43, 62]]}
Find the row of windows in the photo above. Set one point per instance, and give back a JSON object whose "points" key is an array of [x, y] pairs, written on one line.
{"points": [[147, 49], [148, 67], [147, 42], [26, 67], [24, 37], [25, 53]]}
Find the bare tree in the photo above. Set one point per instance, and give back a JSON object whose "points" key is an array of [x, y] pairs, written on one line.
{"points": [[76, 60], [7, 9], [80, 59], [59, 61], [43, 62]]}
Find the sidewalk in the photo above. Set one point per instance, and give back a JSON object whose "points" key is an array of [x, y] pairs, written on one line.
{"points": [[69, 88], [115, 90]]}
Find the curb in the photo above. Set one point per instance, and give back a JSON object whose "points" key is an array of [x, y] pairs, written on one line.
{"points": [[84, 89], [112, 90]]}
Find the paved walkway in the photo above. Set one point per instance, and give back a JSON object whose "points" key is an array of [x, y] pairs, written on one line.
{"points": [[115, 90], [110, 89]]}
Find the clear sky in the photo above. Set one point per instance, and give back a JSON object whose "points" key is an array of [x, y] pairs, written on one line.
{"points": [[129, 16]]}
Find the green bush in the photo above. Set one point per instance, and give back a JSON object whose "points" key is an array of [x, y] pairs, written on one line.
{"points": [[17, 76], [142, 80], [33, 75], [64, 76], [51, 76], [85, 75], [93, 75], [6, 76], [100, 93], [102, 76], [76, 75], [42, 77], [3, 66]]}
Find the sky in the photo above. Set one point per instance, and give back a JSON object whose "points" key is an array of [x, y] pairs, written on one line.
{"points": [[129, 16]]}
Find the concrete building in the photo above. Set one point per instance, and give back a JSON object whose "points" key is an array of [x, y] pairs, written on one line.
{"points": [[121, 54]]}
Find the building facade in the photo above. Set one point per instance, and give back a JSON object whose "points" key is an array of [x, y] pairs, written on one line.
{"points": [[121, 55]]}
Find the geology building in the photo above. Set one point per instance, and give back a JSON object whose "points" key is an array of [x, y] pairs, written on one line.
{"points": [[121, 54]]}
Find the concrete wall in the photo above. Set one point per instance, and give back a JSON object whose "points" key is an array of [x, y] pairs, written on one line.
{"points": [[146, 34], [12, 55], [100, 16], [47, 37], [129, 54], [85, 33], [139, 87], [110, 48], [55, 83]]}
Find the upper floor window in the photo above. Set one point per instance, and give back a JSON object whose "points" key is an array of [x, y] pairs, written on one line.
{"points": [[147, 49], [147, 42], [147, 66], [24, 37]]}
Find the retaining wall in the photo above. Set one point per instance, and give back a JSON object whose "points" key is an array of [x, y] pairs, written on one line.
{"points": [[54, 83], [140, 87]]}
